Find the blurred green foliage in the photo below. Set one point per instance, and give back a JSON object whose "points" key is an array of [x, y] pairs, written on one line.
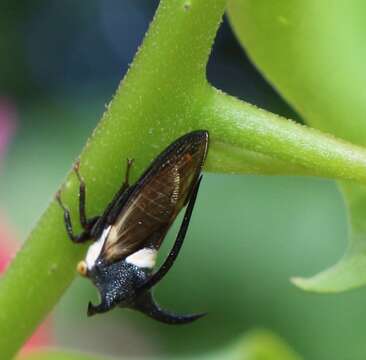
{"points": [[14, 75], [257, 345], [311, 52]]}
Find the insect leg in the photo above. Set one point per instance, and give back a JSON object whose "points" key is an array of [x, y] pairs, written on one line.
{"points": [[126, 183], [169, 261], [67, 218], [114, 207], [85, 223]]}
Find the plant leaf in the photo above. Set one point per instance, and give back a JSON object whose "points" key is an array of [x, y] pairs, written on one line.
{"points": [[310, 51]]}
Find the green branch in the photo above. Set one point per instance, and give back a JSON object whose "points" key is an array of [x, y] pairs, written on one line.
{"points": [[164, 95], [246, 139], [154, 104]]}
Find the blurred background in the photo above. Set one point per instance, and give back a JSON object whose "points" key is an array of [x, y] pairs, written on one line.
{"points": [[60, 63]]}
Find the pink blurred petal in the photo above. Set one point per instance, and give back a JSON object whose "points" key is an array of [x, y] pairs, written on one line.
{"points": [[43, 336], [8, 243], [8, 118]]}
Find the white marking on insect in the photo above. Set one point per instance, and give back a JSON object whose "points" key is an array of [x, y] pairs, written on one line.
{"points": [[144, 258], [95, 249]]}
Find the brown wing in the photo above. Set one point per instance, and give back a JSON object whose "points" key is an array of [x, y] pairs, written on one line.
{"points": [[159, 195]]}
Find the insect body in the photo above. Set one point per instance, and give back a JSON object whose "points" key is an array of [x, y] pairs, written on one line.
{"points": [[129, 233]]}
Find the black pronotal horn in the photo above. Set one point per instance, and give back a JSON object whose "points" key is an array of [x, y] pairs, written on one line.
{"points": [[146, 304]]}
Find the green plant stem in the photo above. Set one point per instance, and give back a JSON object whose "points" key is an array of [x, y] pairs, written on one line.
{"points": [[265, 143], [158, 91], [164, 94]]}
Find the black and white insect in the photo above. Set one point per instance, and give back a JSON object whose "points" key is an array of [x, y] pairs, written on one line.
{"points": [[128, 235]]}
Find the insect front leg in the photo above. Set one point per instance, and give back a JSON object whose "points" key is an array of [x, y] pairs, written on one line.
{"points": [[86, 223], [84, 236], [126, 183]]}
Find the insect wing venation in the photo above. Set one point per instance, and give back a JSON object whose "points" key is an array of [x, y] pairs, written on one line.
{"points": [[157, 198]]}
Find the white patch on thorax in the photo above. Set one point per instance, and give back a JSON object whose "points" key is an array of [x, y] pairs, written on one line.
{"points": [[144, 258], [95, 249]]}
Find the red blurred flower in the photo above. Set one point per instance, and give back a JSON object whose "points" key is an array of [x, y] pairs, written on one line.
{"points": [[7, 243]]}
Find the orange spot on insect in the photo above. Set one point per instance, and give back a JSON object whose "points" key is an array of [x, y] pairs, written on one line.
{"points": [[189, 157], [81, 268]]}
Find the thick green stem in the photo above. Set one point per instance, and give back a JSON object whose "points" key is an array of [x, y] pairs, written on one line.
{"points": [[266, 143], [147, 112], [164, 95]]}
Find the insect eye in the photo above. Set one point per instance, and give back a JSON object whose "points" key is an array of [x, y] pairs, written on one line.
{"points": [[81, 268]]}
